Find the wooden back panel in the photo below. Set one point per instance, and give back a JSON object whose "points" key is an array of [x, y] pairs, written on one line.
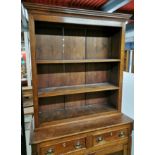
{"points": [[97, 46], [50, 75], [70, 106], [76, 74], [97, 73], [49, 41], [69, 42], [76, 42]]}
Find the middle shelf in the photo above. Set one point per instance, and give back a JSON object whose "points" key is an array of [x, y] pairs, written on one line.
{"points": [[76, 61], [76, 89]]}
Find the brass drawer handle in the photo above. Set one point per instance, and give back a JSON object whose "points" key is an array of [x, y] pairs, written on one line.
{"points": [[78, 145], [64, 144], [111, 134], [50, 151], [99, 139], [121, 134]]}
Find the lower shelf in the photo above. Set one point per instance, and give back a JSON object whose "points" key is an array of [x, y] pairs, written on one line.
{"points": [[74, 112]]}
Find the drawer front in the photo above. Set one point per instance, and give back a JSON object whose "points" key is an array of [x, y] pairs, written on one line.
{"points": [[103, 138], [64, 147]]}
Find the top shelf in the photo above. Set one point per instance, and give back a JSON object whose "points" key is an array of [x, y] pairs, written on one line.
{"points": [[76, 61]]}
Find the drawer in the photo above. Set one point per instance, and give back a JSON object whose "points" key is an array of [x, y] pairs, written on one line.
{"points": [[102, 138], [64, 147]]}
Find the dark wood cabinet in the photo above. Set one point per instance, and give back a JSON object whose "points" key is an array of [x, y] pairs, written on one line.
{"points": [[113, 150], [77, 66]]}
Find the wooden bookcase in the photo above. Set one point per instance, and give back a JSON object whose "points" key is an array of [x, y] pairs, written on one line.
{"points": [[77, 65], [78, 70]]}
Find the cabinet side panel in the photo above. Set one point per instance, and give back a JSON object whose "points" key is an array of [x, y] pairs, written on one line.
{"points": [[117, 51], [116, 45], [121, 66], [113, 98], [114, 74], [34, 68]]}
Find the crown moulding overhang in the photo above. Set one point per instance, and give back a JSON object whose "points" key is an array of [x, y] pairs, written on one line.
{"points": [[31, 7]]}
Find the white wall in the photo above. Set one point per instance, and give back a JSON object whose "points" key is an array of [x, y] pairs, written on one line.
{"points": [[128, 94], [128, 99]]}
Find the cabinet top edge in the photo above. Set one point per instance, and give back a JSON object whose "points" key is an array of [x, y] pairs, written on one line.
{"points": [[74, 11], [50, 133]]}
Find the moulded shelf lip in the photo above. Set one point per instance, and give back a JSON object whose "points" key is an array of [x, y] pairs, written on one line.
{"points": [[77, 89], [76, 61]]}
